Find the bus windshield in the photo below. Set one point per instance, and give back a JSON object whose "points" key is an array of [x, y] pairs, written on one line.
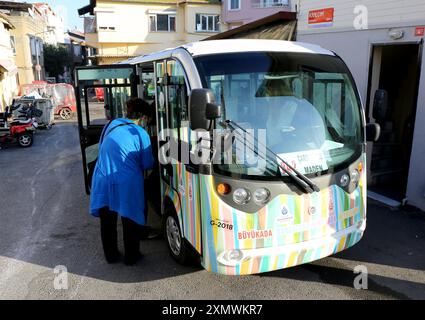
{"points": [[305, 105]]}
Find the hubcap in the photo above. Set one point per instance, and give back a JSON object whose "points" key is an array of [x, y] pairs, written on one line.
{"points": [[173, 236], [65, 114], [25, 140]]}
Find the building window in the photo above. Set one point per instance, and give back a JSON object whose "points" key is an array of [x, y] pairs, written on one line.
{"points": [[33, 46], [105, 21], [234, 4], [77, 50], [162, 22], [207, 22], [269, 3], [13, 44]]}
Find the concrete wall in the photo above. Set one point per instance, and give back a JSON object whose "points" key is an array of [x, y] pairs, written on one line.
{"points": [[355, 47], [380, 12]]}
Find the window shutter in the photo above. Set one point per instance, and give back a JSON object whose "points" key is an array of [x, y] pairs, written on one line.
{"points": [[198, 22], [217, 23]]}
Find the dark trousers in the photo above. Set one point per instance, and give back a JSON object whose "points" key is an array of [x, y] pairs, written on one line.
{"points": [[153, 191], [109, 235]]}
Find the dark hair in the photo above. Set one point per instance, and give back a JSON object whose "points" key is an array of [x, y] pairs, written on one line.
{"points": [[138, 108]]}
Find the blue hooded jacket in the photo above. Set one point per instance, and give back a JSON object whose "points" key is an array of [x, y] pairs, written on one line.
{"points": [[118, 179]]}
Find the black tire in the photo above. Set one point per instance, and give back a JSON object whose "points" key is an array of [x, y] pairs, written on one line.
{"points": [[25, 140], [175, 242], [65, 114]]}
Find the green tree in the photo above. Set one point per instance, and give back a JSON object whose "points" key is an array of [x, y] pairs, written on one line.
{"points": [[55, 59]]}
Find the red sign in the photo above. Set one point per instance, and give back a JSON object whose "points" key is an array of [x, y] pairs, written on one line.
{"points": [[420, 31], [322, 16]]}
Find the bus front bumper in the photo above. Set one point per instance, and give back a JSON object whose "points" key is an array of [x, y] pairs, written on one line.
{"points": [[275, 258]]}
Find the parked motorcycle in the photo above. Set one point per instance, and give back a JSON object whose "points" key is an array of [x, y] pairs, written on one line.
{"points": [[19, 130]]}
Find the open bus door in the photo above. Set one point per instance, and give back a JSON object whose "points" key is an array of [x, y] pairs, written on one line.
{"points": [[118, 83]]}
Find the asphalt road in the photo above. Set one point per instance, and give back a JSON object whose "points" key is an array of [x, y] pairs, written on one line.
{"points": [[44, 223]]}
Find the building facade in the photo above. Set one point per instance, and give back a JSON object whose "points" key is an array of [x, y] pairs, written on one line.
{"points": [[382, 43], [122, 29], [75, 42], [8, 68], [54, 26], [28, 34], [236, 13]]}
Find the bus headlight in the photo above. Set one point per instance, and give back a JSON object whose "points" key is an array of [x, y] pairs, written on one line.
{"points": [[261, 196], [345, 180], [241, 196], [355, 176]]}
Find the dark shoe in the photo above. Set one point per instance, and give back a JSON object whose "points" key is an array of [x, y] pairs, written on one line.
{"points": [[149, 233], [145, 232], [113, 258], [132, 260], [154, 234]]}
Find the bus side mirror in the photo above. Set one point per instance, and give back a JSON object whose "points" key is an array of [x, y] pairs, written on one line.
{"points": [[213, 111], [198, 101], [380, 105], [373, 132]]}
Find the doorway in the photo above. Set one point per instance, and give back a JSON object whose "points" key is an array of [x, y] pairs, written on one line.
{"points": [[395, 73]]}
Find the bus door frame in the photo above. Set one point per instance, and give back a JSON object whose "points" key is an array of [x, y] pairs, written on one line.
{"points": [[165, 169], [90, 133]]}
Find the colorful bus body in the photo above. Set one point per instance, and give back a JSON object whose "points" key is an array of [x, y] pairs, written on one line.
{"points": [[240, 220]]}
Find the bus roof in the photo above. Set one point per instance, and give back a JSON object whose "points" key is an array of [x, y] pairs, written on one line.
{"points": [[246, 45], [233, 46]]}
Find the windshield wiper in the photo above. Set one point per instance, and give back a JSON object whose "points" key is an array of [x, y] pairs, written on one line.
{"points": [[304, 182]]}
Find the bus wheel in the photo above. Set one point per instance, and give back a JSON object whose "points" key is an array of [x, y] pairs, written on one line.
{"points": [[175, 241]]}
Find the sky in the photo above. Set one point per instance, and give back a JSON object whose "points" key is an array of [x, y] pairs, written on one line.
{"points": [[68, 10]]}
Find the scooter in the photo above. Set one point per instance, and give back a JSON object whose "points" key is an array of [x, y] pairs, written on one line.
{"points": [[19, 130]]}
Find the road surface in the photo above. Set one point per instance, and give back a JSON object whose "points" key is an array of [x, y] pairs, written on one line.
{"points": [[44, 223]]}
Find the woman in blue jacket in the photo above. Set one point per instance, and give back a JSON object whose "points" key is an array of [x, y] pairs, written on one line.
{"points": [[125, 153]]}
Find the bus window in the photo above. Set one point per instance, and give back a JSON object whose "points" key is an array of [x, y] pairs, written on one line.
{"points": [[98, 108], [304, 109], [177, 98], [103, 93], [148, 83], [160, 98], [105, 103], [120, 96]]}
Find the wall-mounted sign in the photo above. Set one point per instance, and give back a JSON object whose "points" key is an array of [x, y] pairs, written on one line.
{"points": [[420, 31], [321, 17]]}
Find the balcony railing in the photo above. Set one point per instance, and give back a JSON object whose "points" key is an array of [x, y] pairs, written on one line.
{"points": [[269, 3]]}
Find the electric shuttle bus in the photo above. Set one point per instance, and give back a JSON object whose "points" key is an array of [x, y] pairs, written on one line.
{"points": [[283, 181]]}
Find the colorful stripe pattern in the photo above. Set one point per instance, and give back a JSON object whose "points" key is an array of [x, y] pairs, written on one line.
{"points": [[286, 220], [187, 204], [189, 193]]}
